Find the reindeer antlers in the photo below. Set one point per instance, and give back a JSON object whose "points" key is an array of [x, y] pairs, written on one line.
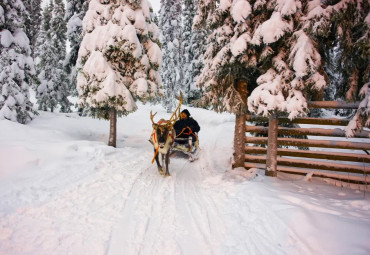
{"points": [[175, 115], [152, 116]]}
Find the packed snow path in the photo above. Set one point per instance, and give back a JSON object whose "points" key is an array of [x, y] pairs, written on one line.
{"points": [[63, 191]]}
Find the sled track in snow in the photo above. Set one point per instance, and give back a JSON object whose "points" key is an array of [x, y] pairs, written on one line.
{"points": [[158, 213], [188, 214]]}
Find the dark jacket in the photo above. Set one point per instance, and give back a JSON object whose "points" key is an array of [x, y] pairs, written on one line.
{"points": [[185, 123]]}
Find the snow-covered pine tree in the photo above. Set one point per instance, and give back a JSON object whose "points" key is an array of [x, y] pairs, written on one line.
{"points": [[187, 56], [16, 64], [33, 22], [60, 79], [156, 19], [76, 10], [45, 91], [268, 42], [350, 24], [267, 38], [119, 58], [334, 68], [53, 87], [33, 19], [193, 48], [199, 44], [171, 72], [350, 32], [362, 116]]}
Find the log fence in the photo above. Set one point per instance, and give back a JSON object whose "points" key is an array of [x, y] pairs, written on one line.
{"points": [[352, 167]]}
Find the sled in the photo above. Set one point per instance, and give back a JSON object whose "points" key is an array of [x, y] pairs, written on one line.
{"points": [[187, 147]]}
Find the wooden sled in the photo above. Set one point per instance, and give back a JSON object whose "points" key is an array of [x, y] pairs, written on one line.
{"points": [[187, 147]]}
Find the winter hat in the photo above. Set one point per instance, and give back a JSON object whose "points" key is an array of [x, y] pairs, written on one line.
{"points": [[186, 112]]}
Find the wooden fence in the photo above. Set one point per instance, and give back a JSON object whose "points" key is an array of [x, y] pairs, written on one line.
{"points": [[332, 164]]}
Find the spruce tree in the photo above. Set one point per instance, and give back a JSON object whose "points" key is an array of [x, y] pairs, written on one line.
{"points": [[16, 64], [349, 32], [187, 56], [362, 115], [45, 92], [350, 28], [156, 19], [335, 70], [119, 58], [269, 43], [76, 10], [193, 48], [33, 22], [171, 72], [53, 87], [199, 44], [60, 79]]}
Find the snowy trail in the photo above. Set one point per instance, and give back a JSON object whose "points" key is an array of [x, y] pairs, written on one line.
{"points": [[183, 214], [188, 214], [175, 214], [165, 214]]}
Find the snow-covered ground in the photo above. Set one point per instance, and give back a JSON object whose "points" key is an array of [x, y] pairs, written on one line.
{"points": [[64, 191]]}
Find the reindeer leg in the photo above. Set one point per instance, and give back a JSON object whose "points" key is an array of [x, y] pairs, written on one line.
{"points": [[167, 160], [163, 164], [160, 170]]}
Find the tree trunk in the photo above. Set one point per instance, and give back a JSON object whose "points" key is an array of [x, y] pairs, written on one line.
{"points": [[352, 91], [239, 134], [113, 127], [271, 159], [239, 141]]}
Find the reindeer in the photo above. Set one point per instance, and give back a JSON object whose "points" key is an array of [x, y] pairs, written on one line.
{"points": [[163, 138]]}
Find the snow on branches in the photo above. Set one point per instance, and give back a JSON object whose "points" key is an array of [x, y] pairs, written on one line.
{"points": [[362, 116], [119, 56], [172, 71], [266, 39], [16, 64]]}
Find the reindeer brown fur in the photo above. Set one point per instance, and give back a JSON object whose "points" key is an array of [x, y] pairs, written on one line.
{"points": [[163, 137]]}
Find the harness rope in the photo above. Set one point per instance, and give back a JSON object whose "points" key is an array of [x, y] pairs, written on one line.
{"points": [[190, 132], [155, 154], [156, 151]]}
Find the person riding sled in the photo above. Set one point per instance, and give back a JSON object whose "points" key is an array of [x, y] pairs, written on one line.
{"points": [[186, 127]]}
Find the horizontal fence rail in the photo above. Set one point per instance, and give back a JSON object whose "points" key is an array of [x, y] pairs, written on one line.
{"points": [[333, 105], [337, 132], [300, 171], [350, 167], [308, 120], [340, 167], [312, 143], [353, 157]]}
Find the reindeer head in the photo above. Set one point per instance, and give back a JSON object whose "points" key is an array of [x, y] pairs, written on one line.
{"points": [[164, 127]]}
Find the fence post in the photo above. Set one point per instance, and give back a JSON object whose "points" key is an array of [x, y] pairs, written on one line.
{"points": [[271, 160]]}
